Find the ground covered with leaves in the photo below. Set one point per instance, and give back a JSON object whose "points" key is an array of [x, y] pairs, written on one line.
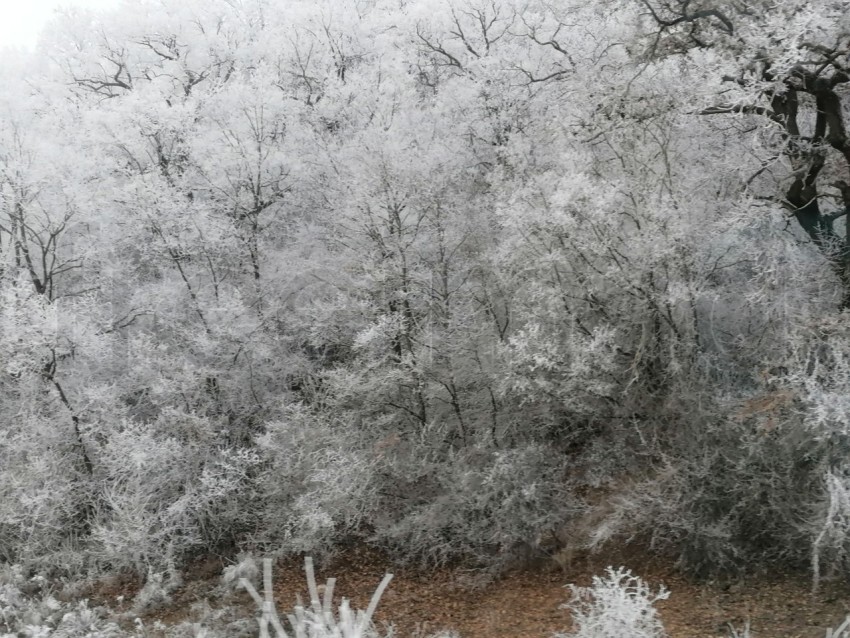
{"points": [[521, 603]]}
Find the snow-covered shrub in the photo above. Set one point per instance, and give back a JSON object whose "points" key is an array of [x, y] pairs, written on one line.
{"points": [[617, 605], [156, 591], [741, 469], [758, 475], [12, 602], [479, 503], [818, 379], [44, 490], [45, 480], [167, 487], [831, 542], [86, 622], [727, 496], [317, 483], [245, 568], [42, 615], [724, 494], [226, 496]]}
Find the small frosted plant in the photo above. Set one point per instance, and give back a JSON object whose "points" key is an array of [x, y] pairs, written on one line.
{"points": [[245, 568], [318, 620], [618, 605], [835, 529], [842, 631], [156, 592], [744, 632]]}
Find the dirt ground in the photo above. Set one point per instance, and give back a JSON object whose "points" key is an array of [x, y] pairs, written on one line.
{"points": [[528, 603]]}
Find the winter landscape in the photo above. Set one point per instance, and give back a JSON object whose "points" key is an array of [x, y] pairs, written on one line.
{"points": [[499, 296]]}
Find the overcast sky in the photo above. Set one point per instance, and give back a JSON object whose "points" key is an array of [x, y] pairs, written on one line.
{"points": [[22, 20]]}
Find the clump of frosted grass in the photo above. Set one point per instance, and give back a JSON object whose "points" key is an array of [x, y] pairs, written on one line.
{"points": [[842, 631], [317, 620]]}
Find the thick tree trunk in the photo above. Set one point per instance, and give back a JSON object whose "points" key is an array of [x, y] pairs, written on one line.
{"points": [[845, 253]]}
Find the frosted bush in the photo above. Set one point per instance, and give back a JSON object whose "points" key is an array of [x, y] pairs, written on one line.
{"points": [[831, 538], [86, 622], [169, 486], [617, 605], [481, 503], [43, 492], [318, 483], [245, 568], [31, 617], [156, 591]]}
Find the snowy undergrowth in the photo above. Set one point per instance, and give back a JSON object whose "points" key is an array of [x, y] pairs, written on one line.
{"points": [[42, 615], [35, 616], [616, 605]]}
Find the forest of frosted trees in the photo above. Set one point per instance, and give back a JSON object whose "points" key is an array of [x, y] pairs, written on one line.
{"points": [[474, 280]]}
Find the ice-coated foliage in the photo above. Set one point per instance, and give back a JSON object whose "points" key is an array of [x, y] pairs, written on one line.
{"points": [[35, 616], [318, 484], [487, 505], [169, 486], [450, 278]]}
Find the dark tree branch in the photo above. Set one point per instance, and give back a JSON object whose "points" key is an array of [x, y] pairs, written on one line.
{"points": [[48, 373], [683, 16], [749, 109], [439, 49]]}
